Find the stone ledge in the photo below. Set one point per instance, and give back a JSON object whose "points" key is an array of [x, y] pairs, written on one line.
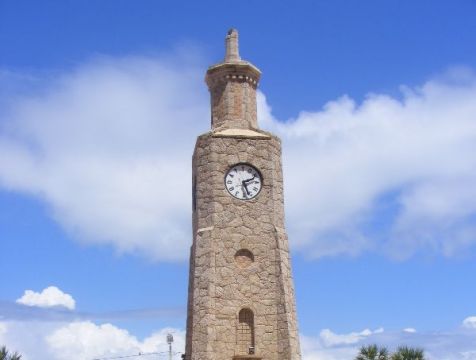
{"points": [[235, 66], [244, 133], [202, 230], [246, 357]]}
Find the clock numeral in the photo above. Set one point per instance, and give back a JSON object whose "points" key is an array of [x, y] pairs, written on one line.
{"points": [[255, 188], [229, 182], [236, 193], [250, 171], [231, 188], [231, 175]]}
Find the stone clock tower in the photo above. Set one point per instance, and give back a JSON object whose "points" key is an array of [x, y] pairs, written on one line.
{"points": [[240, 296]]}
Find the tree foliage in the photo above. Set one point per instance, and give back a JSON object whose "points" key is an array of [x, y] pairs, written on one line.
{"points": [[374, 352], [408, 353], [6, 355]]}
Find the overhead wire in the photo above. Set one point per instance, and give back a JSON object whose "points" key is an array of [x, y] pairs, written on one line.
{"points": [[136, 355]]}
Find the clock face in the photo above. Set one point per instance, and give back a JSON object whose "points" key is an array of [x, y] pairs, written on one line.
{"points": [[243, 181]]}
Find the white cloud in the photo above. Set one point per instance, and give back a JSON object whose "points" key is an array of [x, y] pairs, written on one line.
{"points": [[395, 175], [457, 344], [88, 340], [470, 322], [313, 350], [108, 147], [64, 339], [3, 331], [333, 346], [84, 340], [409, 330], [49, 297], [28, 338], [330, 338]]}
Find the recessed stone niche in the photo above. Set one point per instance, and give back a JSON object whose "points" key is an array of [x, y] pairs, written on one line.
{"points": [[244, 258]]}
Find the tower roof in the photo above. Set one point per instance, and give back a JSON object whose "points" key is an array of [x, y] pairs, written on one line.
{"points": [[233, 60]]}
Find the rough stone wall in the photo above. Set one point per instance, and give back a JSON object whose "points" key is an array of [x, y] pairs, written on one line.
{"points": [[220, 284], [233, 95]]}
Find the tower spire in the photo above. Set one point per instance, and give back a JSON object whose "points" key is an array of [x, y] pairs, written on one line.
{"points": [[232, 53]]}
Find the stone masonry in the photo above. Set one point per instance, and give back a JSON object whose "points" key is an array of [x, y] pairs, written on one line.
{"points": [[240, 297]]}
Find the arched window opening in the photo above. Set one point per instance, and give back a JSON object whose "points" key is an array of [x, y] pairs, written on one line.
{"points": [[246, 332]]}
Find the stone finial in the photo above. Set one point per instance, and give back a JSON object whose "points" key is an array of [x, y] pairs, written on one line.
{"points": [[231, 42]]}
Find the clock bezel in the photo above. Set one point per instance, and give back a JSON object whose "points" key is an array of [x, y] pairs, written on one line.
{"points": [[252, 166]]}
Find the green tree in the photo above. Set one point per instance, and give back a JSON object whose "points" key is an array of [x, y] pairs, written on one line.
{"points": [[408, 353], [372, 352], [6, 355]]}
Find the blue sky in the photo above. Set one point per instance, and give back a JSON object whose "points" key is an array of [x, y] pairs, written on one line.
{"points": [[373, 101]]}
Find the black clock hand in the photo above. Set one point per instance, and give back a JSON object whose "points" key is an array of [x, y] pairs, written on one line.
{"points": [[245, 186], [246, 183], [248, 180]]}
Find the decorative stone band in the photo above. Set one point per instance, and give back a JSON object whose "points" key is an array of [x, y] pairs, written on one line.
{"points": [[242, 71], [242, 134]]}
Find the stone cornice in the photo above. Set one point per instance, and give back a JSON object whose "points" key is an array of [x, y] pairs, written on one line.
{"points": [[233, 71]]}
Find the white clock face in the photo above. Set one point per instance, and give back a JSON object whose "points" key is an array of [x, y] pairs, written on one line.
{"points": [[243, 181]]}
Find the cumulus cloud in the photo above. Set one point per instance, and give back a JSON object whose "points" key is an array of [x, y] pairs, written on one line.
{"points": [[470, 322], [49, 297], [89, 340], [390, 174], [456, 344], [84, 340], [333, 346], [330, 338], [108, 147], [55, 333]]}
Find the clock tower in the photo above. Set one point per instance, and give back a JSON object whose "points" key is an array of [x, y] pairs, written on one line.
{"points": [[240, 296]]}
